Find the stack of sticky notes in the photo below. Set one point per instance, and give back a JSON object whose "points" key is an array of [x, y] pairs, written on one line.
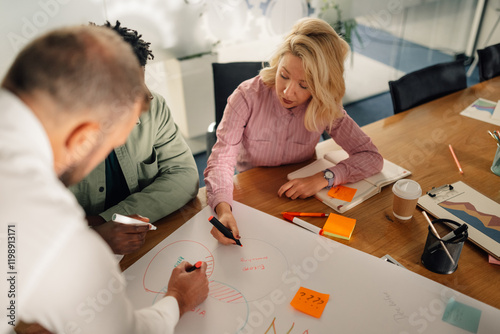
{"points": [[339, 226]]}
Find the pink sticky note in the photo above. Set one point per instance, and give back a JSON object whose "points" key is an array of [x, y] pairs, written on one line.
{"points": [[492, 260]]}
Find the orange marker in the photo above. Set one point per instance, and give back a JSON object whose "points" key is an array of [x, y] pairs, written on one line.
{"points": [[456, 160], [306, 214], [197, 265]]}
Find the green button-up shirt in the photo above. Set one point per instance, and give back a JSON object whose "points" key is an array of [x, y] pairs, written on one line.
{"points": [[158, 166]]}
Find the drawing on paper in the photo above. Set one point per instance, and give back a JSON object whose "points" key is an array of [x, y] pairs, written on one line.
{"points": [[259, 261], [169, 257], [273, 326], [487, 223]]}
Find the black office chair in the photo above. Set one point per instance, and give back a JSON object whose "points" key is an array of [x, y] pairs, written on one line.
{"points": [[489, 62], [227, 77], [427, 84]]}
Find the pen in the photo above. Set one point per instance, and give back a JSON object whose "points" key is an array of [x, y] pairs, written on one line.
{"points": [[494, 136], [456, 160], [497, 136], [437, 236], [455, 233], [452, 236], [130, 221], [304, 224], [306, 214], [224, 230], [197, 265]]}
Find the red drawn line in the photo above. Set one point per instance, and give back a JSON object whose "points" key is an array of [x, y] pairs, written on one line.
{"points": [[222, 289], [218, 288], [240, 296], [231, 296], [219, 293], [222, 293]]}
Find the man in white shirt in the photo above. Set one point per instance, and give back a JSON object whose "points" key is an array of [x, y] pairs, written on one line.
{"points": [[70, 97]]}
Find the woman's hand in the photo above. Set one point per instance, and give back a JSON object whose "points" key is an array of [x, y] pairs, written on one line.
{"points": [[226, 217], [303, 187]]}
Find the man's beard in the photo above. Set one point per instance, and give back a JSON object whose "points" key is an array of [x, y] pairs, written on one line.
{"points": [[78, 170]]}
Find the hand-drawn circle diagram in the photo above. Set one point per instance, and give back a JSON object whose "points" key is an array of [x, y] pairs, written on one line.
{"points": [[244, 274], [255, 270], [207, 316], [161, 265]]}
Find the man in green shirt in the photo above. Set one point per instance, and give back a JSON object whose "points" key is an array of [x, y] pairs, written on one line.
{"points": [[151, 175]]}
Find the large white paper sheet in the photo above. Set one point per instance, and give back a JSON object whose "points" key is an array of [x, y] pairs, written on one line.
{"points": [[251, 286]]}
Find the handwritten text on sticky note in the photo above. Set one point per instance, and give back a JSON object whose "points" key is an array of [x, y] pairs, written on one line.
{"points": [[310, 302], [342, 193]]}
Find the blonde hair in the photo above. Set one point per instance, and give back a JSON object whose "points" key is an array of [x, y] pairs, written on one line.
{"points": [[323, 53]]}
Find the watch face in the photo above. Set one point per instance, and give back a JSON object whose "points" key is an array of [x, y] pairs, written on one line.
{"points": [[328, 174]]}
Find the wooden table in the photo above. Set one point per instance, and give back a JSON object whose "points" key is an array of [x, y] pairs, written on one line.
{"points": [[417, 140]]}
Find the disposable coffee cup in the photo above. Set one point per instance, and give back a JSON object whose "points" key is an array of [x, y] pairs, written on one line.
{"points": [[406, 194]]}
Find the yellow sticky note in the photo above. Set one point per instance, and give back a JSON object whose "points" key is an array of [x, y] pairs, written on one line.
{"points": [[310, 302], [342, 193], [339, 226]]}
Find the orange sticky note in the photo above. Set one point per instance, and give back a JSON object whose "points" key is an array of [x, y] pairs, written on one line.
{"points": [[310, 302], [339, 226], [342, 193]]}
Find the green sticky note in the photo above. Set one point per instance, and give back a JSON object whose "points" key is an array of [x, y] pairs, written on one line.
{"points": [[462, 316]]}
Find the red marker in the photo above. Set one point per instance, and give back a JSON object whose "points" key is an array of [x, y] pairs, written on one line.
{"points": [[197, 265]]}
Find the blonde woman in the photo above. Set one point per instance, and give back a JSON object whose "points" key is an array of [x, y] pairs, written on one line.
{"points": [[278, 117]]}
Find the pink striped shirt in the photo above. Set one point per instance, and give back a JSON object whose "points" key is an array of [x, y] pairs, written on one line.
{"points": [[256, 130]]}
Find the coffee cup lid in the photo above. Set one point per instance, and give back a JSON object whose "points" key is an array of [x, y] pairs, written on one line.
{"points": [[407, 189]]}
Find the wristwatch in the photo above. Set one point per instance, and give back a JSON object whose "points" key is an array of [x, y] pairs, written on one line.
{"points": [[330, 177]]}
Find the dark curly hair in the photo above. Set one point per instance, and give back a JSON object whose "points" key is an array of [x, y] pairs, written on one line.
{"points": [[140, 47]]}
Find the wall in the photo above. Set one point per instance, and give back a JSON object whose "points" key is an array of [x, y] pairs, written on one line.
{"points": [[491, 18]]}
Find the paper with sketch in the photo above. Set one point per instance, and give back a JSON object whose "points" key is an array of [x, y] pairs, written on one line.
{"points": [[251, 287], [496, 112], [364, 189], [482, 110]]}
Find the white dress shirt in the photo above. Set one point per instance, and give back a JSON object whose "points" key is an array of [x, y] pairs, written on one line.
{"points": [[66, 277]]}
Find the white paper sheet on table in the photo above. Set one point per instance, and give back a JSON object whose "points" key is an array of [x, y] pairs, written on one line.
{"points": [[252, 286]]}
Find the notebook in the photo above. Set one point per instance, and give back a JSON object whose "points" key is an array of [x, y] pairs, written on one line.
{"points": [[349, 195], [463, 204]]}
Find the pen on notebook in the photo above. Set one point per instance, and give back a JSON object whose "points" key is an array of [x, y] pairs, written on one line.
{"points": [[456, 160], [306, 214], [303, 224], [437, 236], [197, 265], [224, 230], [130, 221]]}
